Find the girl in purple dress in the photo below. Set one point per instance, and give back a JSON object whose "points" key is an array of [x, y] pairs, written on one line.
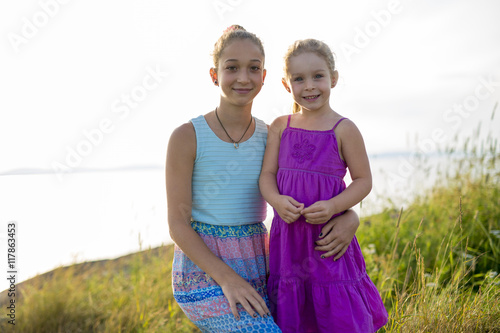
{"points": [[215, 209], [306, 159]]}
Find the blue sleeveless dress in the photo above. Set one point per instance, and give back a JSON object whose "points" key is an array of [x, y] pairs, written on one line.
{"points": [[227, 213]]}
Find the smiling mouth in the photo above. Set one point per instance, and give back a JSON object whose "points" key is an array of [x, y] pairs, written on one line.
{"points": [[311, 97], [243, 91]]}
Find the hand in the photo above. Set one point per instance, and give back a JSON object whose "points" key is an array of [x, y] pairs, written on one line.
{"points": [[240, 291], [319, 212], [337, 234], [288, 208]]}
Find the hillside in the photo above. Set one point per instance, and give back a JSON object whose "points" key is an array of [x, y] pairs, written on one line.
{"points": [[436, 264]]}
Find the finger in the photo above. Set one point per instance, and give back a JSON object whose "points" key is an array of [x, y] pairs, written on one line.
{"points": [[315, 214], [305, 211], [341, 253], [291, 209], [317, 218], [295, 202], [326, 235], [333, 252], [331, 239], [309, 216], [292, 217], [259, 305], [287, 217], [328, 246], [311, 209], [248, 308], [234, 309], [295, 209]]}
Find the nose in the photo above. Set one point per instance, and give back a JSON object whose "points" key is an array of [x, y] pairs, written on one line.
{"points": [[309, 84], [243, 77]]}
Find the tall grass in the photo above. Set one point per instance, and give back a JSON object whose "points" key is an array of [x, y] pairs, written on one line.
{"points": [[435, 264], [133, 294]]}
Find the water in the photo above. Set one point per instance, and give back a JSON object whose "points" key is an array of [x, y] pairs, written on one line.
{"points": [[88, 216], [101, 215]]}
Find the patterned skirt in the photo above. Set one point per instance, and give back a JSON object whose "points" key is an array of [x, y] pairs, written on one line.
{"points": [[245, 249]]}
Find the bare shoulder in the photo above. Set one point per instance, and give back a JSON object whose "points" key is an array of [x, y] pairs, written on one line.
{"points": [[183, 139], [280, 121], [184, 132], [347, 128], [279, 124]]}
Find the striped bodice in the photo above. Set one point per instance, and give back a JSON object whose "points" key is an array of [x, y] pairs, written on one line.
{"points": [[225, 183]]}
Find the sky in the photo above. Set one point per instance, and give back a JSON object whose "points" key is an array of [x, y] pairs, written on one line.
{"points": [[102, 84]]}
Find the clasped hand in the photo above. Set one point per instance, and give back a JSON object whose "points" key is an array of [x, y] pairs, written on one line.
{"points": [[290, 210]]}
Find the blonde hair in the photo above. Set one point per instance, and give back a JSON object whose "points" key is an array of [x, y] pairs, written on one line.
{"points": [[304, 46], [232, 33]]}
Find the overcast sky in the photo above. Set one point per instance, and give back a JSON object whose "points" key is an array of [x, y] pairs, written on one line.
{"points": [[100, 84]]}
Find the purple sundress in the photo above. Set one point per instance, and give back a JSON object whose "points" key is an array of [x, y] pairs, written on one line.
{"points": [[307, 293]]}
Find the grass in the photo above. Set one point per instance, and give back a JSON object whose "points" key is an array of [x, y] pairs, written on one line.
{"points": [[131, 294], [435, 264]]}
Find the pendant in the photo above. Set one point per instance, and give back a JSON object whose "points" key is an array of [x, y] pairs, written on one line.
{"points": [[236, 145]]}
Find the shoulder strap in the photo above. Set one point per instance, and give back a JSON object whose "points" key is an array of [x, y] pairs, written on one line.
{"points": [[288, 123], [260, 127], [338, 122], [200, 129]]}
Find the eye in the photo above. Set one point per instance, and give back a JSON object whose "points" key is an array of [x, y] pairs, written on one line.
{"points": [[255, 68], [318, 76], [298, 79], [231, 68]]}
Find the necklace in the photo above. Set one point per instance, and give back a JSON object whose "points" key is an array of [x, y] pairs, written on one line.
{"points": [[235, 143]]}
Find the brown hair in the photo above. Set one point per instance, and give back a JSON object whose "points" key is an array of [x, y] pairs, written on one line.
{"points": [[232, 33], [304, 46]]}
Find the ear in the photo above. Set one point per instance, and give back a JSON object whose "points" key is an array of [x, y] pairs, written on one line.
{"points": [[285, 84], [335, 78], [213, 75], [264, 76]]}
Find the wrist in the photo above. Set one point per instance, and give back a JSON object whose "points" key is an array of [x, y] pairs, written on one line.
{"points": [[333, 206], [273, 200], [223, 275]]}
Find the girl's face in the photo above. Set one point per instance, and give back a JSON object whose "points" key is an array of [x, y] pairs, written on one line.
{"points": [[241, 72], [309, 80]]}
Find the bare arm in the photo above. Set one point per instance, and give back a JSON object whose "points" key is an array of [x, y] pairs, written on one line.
{"points": [[353, 150], [179, 169], [287, 207]]}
